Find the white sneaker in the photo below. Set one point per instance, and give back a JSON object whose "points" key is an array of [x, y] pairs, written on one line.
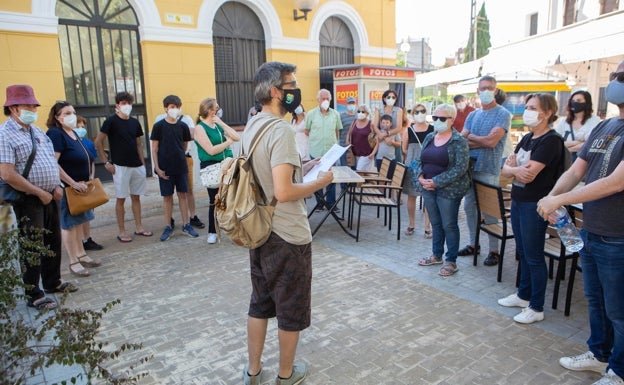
{"points": [[212, 238], [585, 361], [528, 316], [513, 301], [609, 378]]}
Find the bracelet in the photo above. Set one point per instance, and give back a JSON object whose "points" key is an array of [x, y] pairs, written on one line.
{"points": [[107, 162]]}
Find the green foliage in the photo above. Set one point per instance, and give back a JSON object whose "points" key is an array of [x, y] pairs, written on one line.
{"points": [[483, 37], [62, 336]]}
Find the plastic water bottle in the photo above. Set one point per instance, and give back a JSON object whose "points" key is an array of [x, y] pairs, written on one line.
{"points": [[568, 233]]}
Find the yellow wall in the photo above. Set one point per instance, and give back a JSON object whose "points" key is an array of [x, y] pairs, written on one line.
{"points": [[21, 6], [179, 8], [32, 59], [181, 69]]}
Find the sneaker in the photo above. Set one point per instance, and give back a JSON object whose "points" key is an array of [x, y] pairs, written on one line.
{"points": [[299, 373], [212, 238], [190, 231], [252, 380], [609, 378], [491, 259], [195, 222], [172, 224], [336, 210], [528, 316], [90, 244], [513, 301], [468, 251], [585, 361], [166, 233]]}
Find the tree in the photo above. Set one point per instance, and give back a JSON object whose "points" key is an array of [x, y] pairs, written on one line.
{"points": [[482, 26], [62, 336]]}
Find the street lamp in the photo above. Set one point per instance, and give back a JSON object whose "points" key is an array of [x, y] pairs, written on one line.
{"points": [[405, 48]]}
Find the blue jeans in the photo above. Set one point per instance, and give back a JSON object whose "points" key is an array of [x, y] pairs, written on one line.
{"points": [[443, 214], [470, 208], [330, 195], [529, 232], [602, 260]]}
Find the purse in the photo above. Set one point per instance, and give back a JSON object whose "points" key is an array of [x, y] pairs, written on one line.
{"points": [[350, 157], [372, 138], [7, 193], [211, 175], [79, 202]]}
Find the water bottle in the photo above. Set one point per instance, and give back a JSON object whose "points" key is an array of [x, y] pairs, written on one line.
{"points": [[568, 233]]}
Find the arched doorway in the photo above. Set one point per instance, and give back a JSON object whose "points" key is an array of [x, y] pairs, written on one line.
{"points": [[239, 49], [336, 47], [101, 56]]}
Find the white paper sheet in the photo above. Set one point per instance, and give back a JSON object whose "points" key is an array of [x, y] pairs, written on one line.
{"points": [[327, 161]]}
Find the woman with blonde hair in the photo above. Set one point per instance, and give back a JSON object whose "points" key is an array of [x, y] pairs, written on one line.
{"points": [[213, 138]]}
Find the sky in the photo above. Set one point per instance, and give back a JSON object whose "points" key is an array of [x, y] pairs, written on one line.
{"points": [[447, 24]]}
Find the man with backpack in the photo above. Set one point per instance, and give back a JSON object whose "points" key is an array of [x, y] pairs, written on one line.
{"points": [[281, 268]]}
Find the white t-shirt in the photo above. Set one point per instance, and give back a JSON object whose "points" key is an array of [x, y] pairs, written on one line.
{"points": [[564, 129]]}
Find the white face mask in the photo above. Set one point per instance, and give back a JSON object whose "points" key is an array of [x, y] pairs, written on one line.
{"points": [[220, 113], [530, 118], [70, 121], [351, 107], [325, 104], [361, 115], [390, 102], [173, 113], [461, 106], [298, 110], [125, 109], [439, 126], [420, 118], [28, 117]]}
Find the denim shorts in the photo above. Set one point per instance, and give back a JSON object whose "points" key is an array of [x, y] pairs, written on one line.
{"points": [[68, 221], [281, 277]]}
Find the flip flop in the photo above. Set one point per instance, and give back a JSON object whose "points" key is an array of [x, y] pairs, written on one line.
{"points": [[125, 239], [43, 303], [144, 233]]}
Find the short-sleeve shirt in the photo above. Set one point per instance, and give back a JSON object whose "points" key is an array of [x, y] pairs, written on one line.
{"points": [[171, 138], [481, 122], [603, 152], [73, 158], [460, 119], [322, 130], [122, 139], [386, 150], [276, 147], [16, 146], [546, 149], [568, 134], [346, 120]]}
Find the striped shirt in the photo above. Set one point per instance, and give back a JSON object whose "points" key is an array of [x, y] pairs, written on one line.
{"points": [[16, 146]]}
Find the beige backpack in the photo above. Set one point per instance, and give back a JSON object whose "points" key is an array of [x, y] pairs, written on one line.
{"points": [[241, 209]]}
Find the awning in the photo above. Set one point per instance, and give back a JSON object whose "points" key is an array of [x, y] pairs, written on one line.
{"points": [[450, 74]]}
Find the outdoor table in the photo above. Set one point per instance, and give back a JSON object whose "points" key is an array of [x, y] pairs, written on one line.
{"points": [[342, 174]]}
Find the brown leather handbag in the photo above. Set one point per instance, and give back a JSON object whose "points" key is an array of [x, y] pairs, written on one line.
{"points": [[79, 202]]}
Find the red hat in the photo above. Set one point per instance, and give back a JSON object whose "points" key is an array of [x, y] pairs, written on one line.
{"points": [[20, 94]]}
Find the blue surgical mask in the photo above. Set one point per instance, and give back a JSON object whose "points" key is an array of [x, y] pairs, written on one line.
{"points": [[298, 110], [615, 92], [351, 107], [486, 97], [28, 117], [220, 113], [81, 131], [439, 126]]}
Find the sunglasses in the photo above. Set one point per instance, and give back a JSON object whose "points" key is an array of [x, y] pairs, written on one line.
{"points": [[390, 97], [619, 76], [416, 112], [362, 111], [442, 118]]}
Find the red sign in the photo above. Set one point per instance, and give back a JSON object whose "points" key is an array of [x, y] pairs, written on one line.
{"points": [[346, 73], [388, 72], [343, 91]]}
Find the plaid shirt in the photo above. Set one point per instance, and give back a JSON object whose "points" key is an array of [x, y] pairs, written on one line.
{"points": [[16, 146]]}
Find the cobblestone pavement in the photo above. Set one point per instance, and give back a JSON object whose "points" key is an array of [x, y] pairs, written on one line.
{"points": [[377, 318]]}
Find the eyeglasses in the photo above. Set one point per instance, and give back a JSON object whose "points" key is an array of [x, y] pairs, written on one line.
{"points": [[390, 97], [281, 86], [362, 111], [617, 75], [442, 118], [416, 112]]}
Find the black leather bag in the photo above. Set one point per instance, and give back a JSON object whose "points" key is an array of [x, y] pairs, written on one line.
{"points": [[7, 193]]}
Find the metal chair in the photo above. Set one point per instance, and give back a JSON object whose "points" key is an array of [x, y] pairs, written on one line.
{"points": [[389, 200], [490, 201]]}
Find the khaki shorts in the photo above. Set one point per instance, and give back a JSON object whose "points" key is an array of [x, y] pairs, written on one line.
{"points": [[189, 163]]}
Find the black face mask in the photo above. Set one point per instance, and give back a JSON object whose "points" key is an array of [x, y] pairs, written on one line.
{"points": [[291, 99], [577, 106]]}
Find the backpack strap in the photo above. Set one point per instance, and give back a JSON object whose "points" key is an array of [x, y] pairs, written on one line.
{"points": [[252, 146]]}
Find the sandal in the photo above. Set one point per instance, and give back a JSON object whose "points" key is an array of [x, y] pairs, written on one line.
{"points": [[80, 272], [448, 269], [409, 231], [42, 303], [89, 263], [432, 260], [65, 287], [468, 251], [428, 234]]}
